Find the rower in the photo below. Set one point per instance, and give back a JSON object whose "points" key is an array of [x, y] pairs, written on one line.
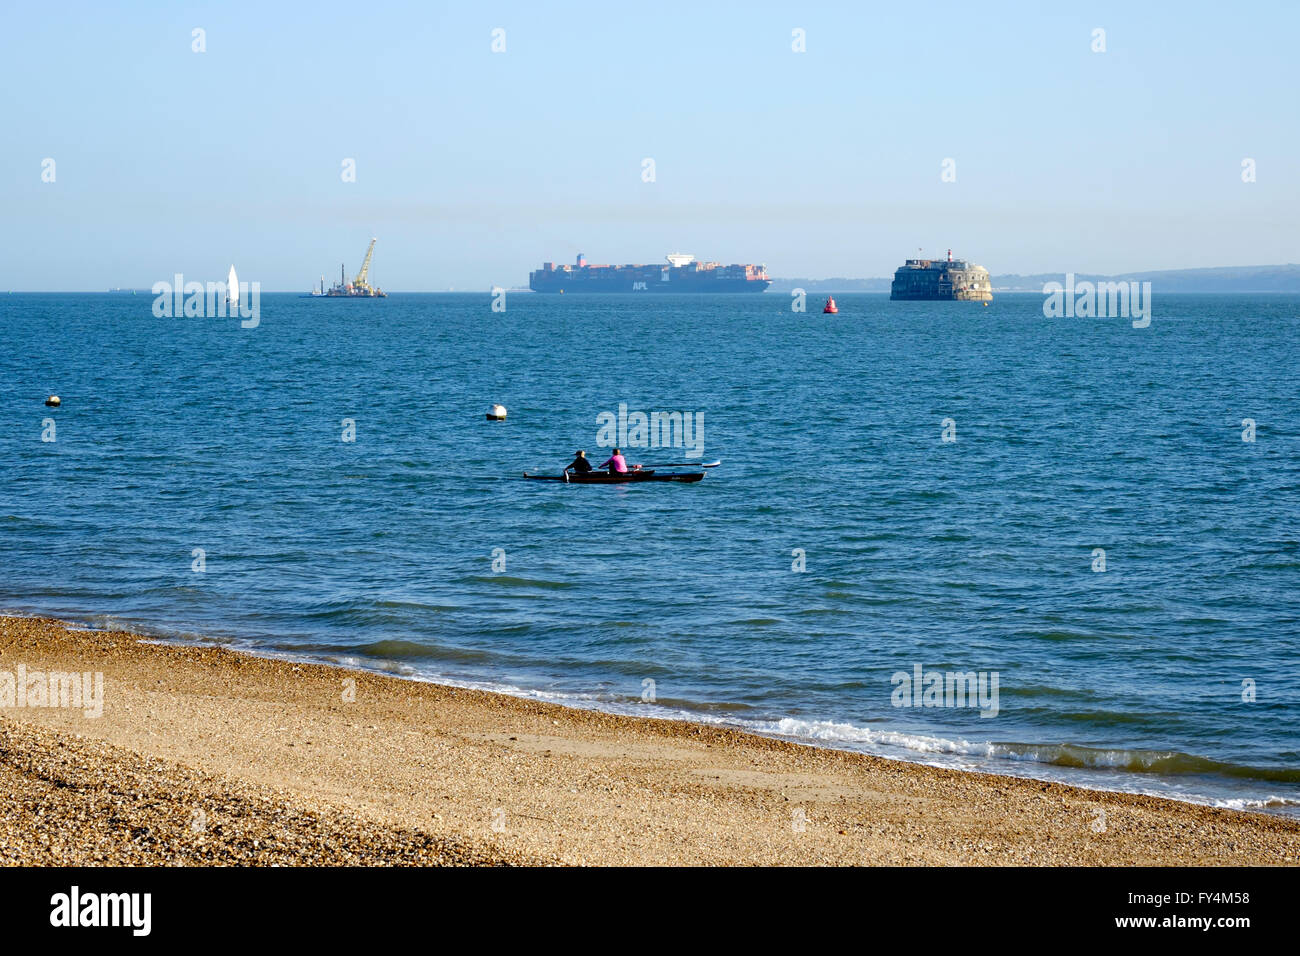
{"points": [[579, 465], [616, 464]]}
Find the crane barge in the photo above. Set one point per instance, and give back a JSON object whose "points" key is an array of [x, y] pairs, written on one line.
{"points": [[358, 288]]}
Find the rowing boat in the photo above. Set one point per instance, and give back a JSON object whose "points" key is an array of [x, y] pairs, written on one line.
{"points": [[627, 477]]}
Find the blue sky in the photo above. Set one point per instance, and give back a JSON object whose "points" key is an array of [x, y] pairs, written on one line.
{"points": [[472, 167]]}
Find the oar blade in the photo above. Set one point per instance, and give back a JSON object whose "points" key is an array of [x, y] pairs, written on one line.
{"points": [[686, 464]]}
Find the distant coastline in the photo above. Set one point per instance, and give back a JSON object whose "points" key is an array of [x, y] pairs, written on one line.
{"points": [[1228, 279]]}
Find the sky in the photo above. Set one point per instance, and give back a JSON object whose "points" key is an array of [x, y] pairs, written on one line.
{"points": [[472, 167]]}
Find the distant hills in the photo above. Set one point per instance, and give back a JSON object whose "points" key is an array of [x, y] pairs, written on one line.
{"points": [[830, 285], [1283, 278]]}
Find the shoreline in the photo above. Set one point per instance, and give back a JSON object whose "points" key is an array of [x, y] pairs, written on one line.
{"points": [[570, 700], [1049, 773], [214, 755]]}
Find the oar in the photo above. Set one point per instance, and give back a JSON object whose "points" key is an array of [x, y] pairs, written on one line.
{"points": [[685, 464]]}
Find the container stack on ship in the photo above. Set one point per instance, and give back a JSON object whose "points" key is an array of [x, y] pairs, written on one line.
{"points": [[936, 279], [682, 274]]}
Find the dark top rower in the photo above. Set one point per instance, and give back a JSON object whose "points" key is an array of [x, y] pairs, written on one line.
{"points": [[579, 465]]}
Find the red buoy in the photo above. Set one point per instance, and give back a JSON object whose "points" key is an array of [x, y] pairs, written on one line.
{"points": [[830, 308]]}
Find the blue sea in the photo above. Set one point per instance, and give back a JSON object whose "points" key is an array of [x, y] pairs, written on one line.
{"points": [[418, 548]]}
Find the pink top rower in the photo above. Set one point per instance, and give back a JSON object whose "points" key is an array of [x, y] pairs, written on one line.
{"points": [[616, 464]]}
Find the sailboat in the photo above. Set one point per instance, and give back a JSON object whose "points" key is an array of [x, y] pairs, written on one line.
{"points": [[232, 290]]}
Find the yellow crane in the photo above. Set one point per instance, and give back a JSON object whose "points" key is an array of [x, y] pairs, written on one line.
{"points": [[359, 287], [360, 281]]}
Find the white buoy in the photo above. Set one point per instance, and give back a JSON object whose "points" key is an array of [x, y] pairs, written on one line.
{"points": [[497, 413], [54, 401]]}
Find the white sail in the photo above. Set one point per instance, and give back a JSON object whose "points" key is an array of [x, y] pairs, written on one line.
{"points": [[232, 288]]}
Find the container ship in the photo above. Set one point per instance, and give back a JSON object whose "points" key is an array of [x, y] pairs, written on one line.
{"points": [[681, 274], [954, 279]]}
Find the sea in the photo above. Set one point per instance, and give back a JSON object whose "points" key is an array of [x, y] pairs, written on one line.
{"points": [[963, 535]]}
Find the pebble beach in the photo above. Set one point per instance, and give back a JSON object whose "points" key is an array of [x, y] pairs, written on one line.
{"points": [[206, 756]]}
